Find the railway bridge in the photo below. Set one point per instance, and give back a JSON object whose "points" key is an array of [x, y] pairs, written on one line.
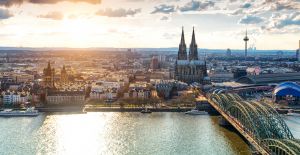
{"points": [[257, 122]]}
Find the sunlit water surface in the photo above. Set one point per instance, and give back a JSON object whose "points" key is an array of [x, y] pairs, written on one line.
{"points": [[121, 133]]}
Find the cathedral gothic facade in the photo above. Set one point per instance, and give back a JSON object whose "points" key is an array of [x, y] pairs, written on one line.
{"points": [[188, 67]]}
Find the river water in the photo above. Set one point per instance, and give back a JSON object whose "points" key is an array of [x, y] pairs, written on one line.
{"points": [[121, 133]]}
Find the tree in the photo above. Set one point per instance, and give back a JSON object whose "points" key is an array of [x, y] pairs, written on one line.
{"points": [[154, 101], [187, 99]]}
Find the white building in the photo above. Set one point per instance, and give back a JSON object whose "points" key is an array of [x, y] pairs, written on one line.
{"points": [[103, 86], [103, 95], [66, 97], [10, 98]]}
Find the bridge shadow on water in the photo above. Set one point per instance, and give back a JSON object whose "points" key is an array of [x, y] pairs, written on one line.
{"points": [[233, 137]]}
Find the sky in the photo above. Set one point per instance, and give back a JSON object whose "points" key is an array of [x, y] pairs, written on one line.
{"points": [[219, 24]]}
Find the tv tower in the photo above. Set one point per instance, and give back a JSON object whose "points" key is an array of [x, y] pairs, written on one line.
{"points": [[246, 39]]}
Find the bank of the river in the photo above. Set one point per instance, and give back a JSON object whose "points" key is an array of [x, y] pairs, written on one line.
{"points": [[116, 108], [61, 108], [137, 109]]}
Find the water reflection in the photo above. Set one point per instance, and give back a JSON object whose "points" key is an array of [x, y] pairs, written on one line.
{"points": [[293, 123], [119, 133], [134, 133]]}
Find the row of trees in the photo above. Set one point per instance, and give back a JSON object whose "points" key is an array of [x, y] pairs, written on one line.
{"points": [[139, 102], [186, 100]]}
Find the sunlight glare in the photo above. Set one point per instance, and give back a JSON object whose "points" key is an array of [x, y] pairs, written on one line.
{"points": [[79, 31]]}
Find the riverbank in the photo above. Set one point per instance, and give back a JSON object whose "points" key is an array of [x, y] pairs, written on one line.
{"points": [[107, 109], [65, 108], [137, 109], [115, 108]]}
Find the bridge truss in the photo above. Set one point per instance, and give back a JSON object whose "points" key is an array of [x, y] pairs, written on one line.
{"points": [[260, 121]]}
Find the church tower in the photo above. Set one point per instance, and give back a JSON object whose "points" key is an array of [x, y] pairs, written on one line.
{"points": [[193, 53], [48, 76], [182, 54], [64, 76]]}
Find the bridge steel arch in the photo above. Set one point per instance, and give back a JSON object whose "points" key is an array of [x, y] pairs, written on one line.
{"points": [[283, 146], [259, 120]]}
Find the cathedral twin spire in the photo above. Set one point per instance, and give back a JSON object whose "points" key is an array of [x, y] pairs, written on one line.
{"points": [[182, 55], [193, 51]]}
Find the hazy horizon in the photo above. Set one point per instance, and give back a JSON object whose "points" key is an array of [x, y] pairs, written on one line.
{"points": [[164, 49]]}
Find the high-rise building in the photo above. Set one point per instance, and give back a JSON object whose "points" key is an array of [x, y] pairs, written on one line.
{"points": [[154, 63], [228, 53], [246, 39], [162, 58], [298, 52], [7, 58], [188, 68], [48, 77]]}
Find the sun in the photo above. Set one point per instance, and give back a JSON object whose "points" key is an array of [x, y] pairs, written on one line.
{"points": [[79, 31]]}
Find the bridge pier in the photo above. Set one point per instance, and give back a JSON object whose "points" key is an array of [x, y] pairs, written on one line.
{"points": [[248, 136]]}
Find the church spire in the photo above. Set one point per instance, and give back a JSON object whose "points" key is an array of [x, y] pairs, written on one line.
{"points": [[49, 66], [182, 42], [193, 38], [182, 54], [63, 70], [193, 53]]}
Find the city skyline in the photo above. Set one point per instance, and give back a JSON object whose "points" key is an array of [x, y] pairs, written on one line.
{"points": [[139, 100], [149, 23]]}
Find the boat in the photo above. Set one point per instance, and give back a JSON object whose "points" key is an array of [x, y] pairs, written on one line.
{"points": [[146, 111], [196, 112], [15, 113], [292, 113]]}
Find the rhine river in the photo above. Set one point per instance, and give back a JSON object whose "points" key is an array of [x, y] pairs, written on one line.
{"points": [[122, 133]]}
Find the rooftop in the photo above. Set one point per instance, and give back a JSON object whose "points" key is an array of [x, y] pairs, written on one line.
{"points": [[269, 78]]}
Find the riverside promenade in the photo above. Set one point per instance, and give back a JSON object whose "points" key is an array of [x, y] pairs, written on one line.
{"points": [[134, 109], [89, 108]]}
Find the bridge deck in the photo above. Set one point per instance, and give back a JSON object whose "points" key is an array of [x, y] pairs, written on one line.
{"points": [[240, 129]]}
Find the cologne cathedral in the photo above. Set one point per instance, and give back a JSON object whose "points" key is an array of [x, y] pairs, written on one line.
{"points": [[188, 67]]}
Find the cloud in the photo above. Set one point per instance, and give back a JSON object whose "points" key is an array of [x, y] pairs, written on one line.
{"points": [[163, 8], [246, 5], [261, 7], [9, 3], [268, 6], [121, 12], [278, 21], [5, 14], [53, 16], [164, 18], [251, 19], [282, 5], [169, 36], [196, 6]]}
